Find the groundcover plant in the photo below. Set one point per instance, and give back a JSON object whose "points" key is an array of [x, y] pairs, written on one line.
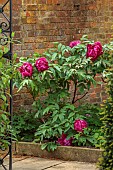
{"points": [[5, 77], [62, 119]]}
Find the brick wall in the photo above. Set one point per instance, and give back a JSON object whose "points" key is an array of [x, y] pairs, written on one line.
{"points": [[37, 23], [40, 22]]}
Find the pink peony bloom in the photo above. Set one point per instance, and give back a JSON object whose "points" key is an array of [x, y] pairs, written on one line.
{"points": [[88, 115], [79, 125], [41, 64], [74, 43], [94, 50], [63, 141], [26, 69]]}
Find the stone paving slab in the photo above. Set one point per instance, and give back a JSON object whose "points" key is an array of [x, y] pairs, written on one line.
{"points": [[74, 166], [34, 163]]}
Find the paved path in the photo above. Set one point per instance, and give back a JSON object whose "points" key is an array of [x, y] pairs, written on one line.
{"points": [[34, 163]]}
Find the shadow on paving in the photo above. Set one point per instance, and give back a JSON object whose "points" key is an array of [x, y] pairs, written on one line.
{"points": [[34, 163]]}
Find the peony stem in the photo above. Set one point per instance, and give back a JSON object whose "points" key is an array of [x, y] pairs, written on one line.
{"points": [[73, 101], [80, 97]]}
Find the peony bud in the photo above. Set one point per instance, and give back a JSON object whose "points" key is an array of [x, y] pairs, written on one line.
{"points": [[74, 43]]}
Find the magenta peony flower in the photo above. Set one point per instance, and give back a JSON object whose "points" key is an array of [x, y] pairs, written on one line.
{"points": [[74, 43], [79, 125], [41, 64], [94, 50], [26, 69], [63, 141], [88, 115]]}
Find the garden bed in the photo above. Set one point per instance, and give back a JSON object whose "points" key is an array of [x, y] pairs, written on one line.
{"points": [[80, 154]]}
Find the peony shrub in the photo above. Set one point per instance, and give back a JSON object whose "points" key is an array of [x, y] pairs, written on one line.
{"points": [[49, 82]]}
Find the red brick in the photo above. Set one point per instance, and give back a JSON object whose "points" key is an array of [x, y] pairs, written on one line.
{"points": [[49, 1], [31, 7]]}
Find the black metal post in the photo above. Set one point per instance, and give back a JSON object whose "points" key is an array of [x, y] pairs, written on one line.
{"points": [[11, 92], [6, 28]]}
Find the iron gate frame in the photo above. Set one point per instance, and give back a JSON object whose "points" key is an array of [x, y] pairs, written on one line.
{"points": [[6, 28]]}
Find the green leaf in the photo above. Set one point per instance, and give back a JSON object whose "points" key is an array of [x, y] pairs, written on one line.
{"points": [[71, 115], [13, 34], [43, 75], [81, 89], [54, 56], [77, 136], [43, 146], [69, 106], [1, 64], [60, 130], [59, 47], [67, 125], [3, 97], [61, 117], [69, 73], [55, 118], [70, 135], [57, 67], [47, 109], [6, 50]]}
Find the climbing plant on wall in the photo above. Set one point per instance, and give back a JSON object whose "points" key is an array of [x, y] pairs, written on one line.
{"points": [[5, 76], [106, 162]]}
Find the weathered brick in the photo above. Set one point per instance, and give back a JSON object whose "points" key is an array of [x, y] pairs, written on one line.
{"points": [[30, 13], [31, 7], [55, 1], [49, 1], [41, 1], [31, 20]]}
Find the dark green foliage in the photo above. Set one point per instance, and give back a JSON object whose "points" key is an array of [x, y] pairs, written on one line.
{"points": [[5, 130], [62, 121], [6, 74], [5, 77], [25, 125], [106, 162]]}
